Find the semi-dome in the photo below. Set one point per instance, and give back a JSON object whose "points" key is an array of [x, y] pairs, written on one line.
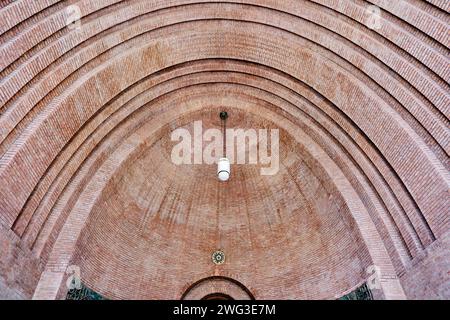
{"points": [[354, 193]]}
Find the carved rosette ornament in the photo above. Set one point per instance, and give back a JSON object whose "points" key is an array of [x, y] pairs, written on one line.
{"points": [[218, 257]]}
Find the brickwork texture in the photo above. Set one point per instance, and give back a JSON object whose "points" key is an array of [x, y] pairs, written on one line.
{"points": [[90, 91]]}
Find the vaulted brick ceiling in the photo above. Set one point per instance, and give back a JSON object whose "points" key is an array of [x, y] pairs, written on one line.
{"points": [[85, 118]]}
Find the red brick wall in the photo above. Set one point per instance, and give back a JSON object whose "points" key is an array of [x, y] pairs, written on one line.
{"points": [[19, 269], [364, 102], [429, 276]]}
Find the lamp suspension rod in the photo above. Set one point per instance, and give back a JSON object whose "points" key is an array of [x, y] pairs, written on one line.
{"points": [[223, 117]]}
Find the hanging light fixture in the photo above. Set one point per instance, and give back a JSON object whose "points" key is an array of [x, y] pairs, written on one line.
{"points": [[223, 165]]}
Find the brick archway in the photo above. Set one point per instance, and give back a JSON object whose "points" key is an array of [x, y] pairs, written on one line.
{"points": [[219, 287], [362, 98]]}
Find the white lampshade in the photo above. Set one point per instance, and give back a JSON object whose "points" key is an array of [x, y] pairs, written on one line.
{"points": [[223, 169]]}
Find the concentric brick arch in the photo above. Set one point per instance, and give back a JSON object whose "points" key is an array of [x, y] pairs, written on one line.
{"points": [[101, 184], [367, 109]]}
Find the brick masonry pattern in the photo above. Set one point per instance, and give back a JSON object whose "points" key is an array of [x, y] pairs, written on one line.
{"points": [[85, 176]]}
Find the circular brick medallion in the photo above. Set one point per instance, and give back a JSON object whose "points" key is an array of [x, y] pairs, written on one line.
{"points": [[218, 257]]}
